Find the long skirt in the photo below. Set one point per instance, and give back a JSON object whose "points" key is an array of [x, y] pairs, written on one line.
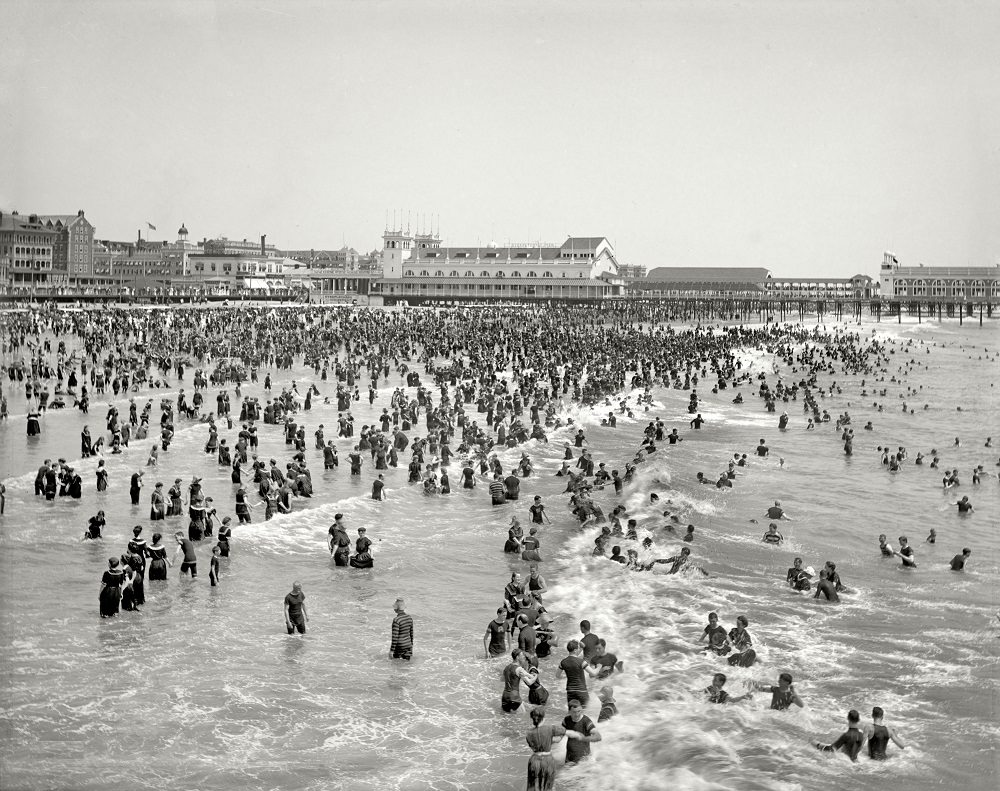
{"points": [[541, 772], [157, 569], [110, 599]]}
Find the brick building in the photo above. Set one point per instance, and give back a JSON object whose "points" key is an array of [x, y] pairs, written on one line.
{"points": [[26, 253], [73, 252]]}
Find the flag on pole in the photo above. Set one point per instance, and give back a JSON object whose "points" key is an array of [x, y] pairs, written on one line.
{"points": [[150, 226]]}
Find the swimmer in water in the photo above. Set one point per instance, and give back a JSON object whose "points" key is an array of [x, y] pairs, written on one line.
{"points": [[878, 736], [716, 693], [964, 506], [958, 562], [932, 537], [850, 741], [905, 553], [679, 562], [885, 546], [777, 512], [772, 536], [782, 696]]}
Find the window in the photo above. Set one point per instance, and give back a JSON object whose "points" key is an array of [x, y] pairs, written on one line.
{"points": [[439, 273], [484, 274], [490, 255], [521, 255], [461, 255], [532, 274], [453, 273], [515, 273], [547, 274], [408, 273]]}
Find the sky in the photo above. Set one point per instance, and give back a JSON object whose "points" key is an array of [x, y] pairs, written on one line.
{"points": [[805, 137]]}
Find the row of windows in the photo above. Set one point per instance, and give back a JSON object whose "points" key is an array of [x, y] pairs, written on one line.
{"points": [[771, 286], [228, 268], [17, 278], [32, 251], [26, 238], [499, 275], [495, 287], [819, 293], [31, 263], [495, 256], [946, 288]]}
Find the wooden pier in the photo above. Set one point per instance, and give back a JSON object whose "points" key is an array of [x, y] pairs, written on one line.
{"points": [[820, 310]]}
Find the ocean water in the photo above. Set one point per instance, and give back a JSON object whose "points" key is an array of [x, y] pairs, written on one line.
{"points": [[203, 689]]}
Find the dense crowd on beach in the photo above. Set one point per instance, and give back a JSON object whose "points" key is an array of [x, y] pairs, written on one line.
{"points": [[465, 384]]}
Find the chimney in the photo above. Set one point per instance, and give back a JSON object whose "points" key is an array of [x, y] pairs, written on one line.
{"points": [[79, 213], [33, 218], [263, 236]]}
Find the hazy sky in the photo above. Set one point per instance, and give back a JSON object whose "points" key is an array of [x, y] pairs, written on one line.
{"points": [[806, 137]]}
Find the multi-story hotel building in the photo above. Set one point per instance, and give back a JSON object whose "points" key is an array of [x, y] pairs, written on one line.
{"points": [[416, 268], [938, 283], [73, 253], [26, 252]]}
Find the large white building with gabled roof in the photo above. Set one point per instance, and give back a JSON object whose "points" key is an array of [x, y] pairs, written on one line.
{"points": [[417, 268]]}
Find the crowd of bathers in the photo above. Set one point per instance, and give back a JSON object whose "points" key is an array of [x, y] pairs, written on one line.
{"points": [[472, 381]]}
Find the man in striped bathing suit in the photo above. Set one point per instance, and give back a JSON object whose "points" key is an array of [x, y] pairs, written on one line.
{"points": [[402, 633]]}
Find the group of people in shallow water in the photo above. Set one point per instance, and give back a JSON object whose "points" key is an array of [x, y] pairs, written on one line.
{"points": [[476, 395]]}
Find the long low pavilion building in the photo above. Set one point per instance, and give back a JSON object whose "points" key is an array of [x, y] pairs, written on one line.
{"points": [[702, 281], [748, 282]]}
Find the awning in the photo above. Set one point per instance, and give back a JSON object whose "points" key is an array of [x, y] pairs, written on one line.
{"points": [[255, 282]]}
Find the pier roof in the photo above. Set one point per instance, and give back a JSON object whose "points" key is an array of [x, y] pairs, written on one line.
{"points": [[705, 274]]}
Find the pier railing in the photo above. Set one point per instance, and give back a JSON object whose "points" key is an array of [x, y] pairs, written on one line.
{"points": [[687, 308]]}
